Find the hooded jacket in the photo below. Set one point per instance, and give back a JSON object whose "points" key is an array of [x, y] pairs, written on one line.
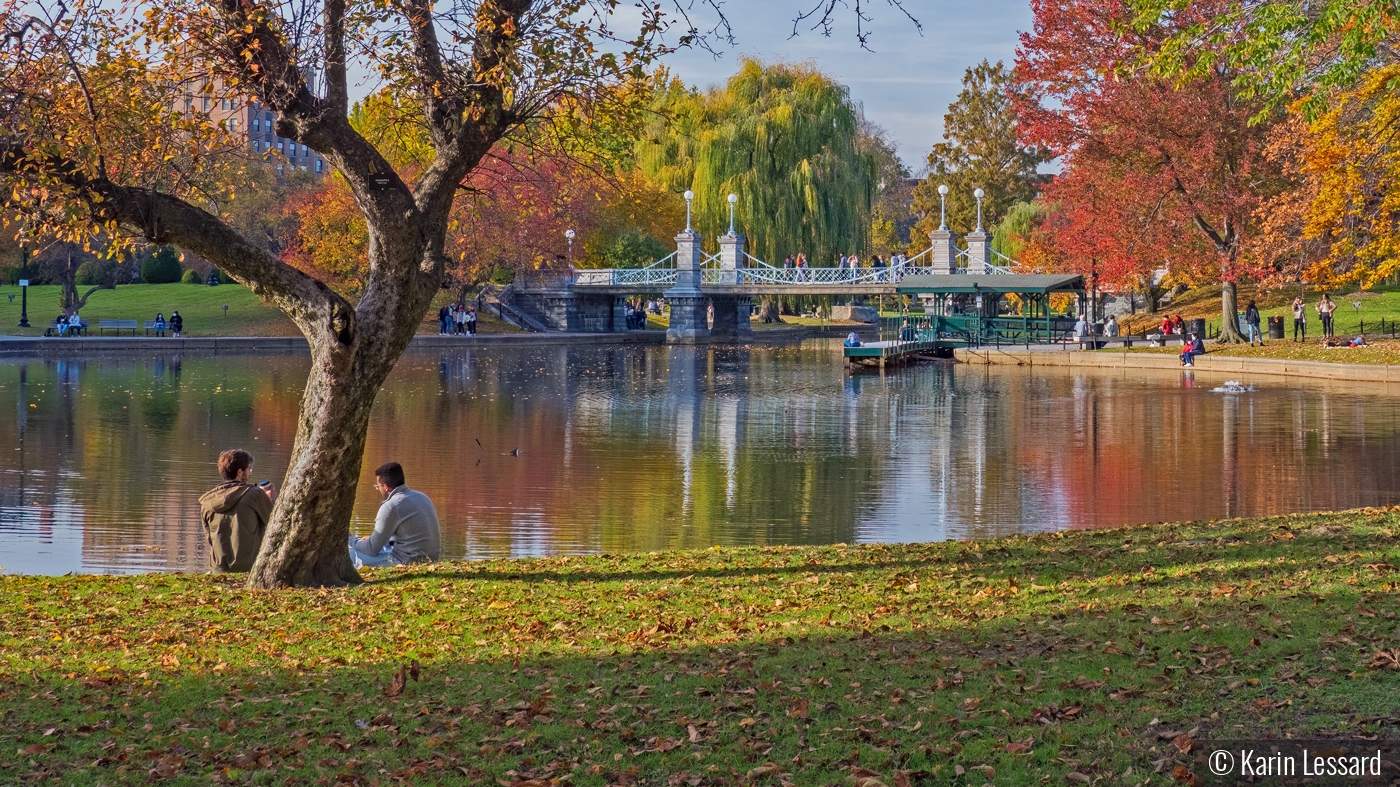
{"points": [[235, 517]]}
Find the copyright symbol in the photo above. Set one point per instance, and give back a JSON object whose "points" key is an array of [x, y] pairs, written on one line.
{"points": [[1221, 762]]}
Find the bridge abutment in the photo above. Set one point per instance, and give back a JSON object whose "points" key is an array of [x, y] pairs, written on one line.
{"points": [[943, 258], [732, 317], [689, 323]]}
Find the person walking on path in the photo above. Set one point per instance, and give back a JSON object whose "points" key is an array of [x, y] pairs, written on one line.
{"points": [[1300, 319], [177, 323], [235, 514], [1251, 319], [1325, 307], [405, 529]]}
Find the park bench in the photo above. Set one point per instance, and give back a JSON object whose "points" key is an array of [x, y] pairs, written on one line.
{"points": [[117, 325], [151, 326], [1128, 341], [53, 328]]}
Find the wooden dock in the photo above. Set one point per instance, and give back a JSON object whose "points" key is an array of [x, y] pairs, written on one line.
{"points": [[893, 353]]}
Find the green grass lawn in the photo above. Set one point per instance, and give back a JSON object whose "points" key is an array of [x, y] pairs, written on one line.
{"points": [[200, 305], [1079, 657]]}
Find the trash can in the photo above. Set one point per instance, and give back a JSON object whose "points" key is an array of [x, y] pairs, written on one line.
{"points": [[1276, 327], [1197, 325]]}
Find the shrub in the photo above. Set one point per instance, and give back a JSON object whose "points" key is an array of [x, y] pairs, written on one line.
{"points": [[191, 277], [161, 265], [88, 274]]}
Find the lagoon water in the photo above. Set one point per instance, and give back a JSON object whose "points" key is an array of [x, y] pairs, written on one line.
{"points": [[632, 448]]}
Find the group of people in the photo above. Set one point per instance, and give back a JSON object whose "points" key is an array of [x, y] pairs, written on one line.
{"points": [[1324, 308], [851, 262], [636, 316], [72, 324], [176, 324], [235, 515], [456, 319]]}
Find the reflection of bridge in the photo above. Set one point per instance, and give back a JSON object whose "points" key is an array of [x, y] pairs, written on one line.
{"points": [[711, 295]]}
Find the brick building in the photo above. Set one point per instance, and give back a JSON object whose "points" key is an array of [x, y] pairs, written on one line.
{"points": [[253, 122]]}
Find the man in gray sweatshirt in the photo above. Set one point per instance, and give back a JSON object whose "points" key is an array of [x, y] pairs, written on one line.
{"points": [[405, 529]]}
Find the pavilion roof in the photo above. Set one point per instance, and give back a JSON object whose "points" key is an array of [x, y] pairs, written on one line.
{"points": [[993, 282]]}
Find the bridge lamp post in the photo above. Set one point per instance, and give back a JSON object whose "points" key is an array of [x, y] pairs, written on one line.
{"points": [[979, 194], [943, 207], [689, 195], [733, 198], [569, 236]]}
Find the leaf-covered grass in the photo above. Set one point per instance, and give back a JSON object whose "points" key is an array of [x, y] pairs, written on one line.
{"points": [[1016, 661], [1382, 352], [1381, 303]]}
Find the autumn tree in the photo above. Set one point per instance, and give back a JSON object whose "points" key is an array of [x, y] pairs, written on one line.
{"points": [[981, 149], [101, 132], [1154, 173], [97, 136]]}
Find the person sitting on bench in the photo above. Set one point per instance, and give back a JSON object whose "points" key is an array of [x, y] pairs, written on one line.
{"points": [[1194, 347]]}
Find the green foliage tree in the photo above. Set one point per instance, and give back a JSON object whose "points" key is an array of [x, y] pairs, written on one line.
{"points": [[633, 248], [160, 265], [781, 136], [191, 276], [981, 151]]}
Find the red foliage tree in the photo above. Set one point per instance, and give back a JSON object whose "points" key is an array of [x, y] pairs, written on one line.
{"points": [[1154, 174]]}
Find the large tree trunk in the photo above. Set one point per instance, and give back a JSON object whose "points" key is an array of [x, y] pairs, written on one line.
{"points": [[1150, 294], [1229, 315], [768, 310], [352, 354]]}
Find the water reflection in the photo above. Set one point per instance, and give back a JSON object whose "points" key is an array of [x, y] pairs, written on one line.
{"points": [[627, 448]]}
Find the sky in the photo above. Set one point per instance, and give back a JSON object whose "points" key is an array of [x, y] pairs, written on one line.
{"points": [[905, 85]]}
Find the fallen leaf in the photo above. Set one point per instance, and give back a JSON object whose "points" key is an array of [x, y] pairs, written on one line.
{"points": [[397, 683], [1077, 777]]}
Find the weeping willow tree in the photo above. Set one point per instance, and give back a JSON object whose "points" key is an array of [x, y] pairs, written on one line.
{"points": [[784, 138]]}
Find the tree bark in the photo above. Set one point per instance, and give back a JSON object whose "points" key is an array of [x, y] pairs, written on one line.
{"points": [[1229, 315], [768, 311], [1150, 294]]}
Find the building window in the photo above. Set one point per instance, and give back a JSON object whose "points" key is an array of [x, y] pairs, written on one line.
{"points": [[255, 146], [303, 150], [257, 124], [318, 165], [206, 104]]}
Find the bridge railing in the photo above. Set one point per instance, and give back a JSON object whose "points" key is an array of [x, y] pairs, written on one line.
{"points": [[659, 273]]}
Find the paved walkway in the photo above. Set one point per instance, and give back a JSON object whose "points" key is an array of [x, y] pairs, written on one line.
{"points": [[1224, 364], [32, 346]]}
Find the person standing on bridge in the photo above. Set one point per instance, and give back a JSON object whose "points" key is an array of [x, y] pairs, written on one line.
{"points": [[801, 266], [879, 266]]}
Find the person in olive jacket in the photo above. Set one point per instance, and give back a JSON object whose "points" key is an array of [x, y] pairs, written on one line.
{"points": [[235, 514]]}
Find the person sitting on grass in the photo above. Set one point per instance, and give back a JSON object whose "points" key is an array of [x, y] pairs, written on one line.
{"points": [[1359, 341], [235, 514], [1194, 347], [405, 529]]}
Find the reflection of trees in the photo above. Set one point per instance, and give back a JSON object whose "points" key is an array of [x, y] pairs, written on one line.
{"points": [[627, 448]]}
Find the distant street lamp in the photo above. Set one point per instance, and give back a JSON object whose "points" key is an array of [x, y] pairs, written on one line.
{"points": [[979, 194], [943, 207], [689, 195], [733, 198], [569, 236], [24, 303]]}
